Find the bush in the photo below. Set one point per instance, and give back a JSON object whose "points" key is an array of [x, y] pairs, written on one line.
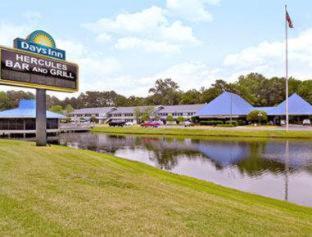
{"points": [[234, 123], [211, 122], [226, 125], [257, 116], [180, 119], [169, 118]]}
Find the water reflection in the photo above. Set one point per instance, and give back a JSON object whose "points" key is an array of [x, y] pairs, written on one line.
{"points": [[279, 169]]}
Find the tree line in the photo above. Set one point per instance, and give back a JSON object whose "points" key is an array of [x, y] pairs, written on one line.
{"points": [[255, 88]]}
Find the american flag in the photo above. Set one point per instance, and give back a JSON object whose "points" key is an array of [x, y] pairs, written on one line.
{"points": [[288, 19]]}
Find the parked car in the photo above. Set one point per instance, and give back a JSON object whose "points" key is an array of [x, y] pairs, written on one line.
{"points": [[129, 124], [152, 124], [283, 123], [117, 123], [188, 124], [306, 122]]}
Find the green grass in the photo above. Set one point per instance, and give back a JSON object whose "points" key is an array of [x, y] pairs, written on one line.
{"points": [[59, 191], [212, 132]]}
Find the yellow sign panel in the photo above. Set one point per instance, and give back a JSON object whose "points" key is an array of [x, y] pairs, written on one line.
{"points": [[21, 68]]}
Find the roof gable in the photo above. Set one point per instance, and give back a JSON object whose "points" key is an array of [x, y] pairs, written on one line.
{"points": [[296, 106], [226, 104]]}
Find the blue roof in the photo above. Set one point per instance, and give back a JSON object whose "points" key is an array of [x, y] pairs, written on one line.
{"points": [[226, 104], [221, 106], [296, 106], [26, 109]]}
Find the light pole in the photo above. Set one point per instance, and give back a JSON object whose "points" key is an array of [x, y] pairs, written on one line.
{"points": [[259, 117]]}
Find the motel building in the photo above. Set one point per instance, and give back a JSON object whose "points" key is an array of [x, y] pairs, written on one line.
{"points": [[21, 121], [224, 107], [128, 114]]}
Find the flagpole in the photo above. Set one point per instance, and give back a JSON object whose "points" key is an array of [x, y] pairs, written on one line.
{"points": [[286, 69]]}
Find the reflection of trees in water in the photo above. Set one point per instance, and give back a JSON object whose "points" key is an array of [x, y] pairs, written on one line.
{"points": [[166, 152], [254, 164], [251, 158]]}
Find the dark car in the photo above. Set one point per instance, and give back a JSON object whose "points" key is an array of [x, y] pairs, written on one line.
{"points": [[152, 124], [117, 123]]}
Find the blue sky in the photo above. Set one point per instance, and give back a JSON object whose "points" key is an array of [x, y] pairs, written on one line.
{"points": [[125, 45]]}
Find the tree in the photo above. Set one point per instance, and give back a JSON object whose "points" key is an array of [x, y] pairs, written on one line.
{"points": [[4, 101], [165, 92], [169, 118], [257, 116], [69, 109], [56, 109], [180, 119], [190, 97]]}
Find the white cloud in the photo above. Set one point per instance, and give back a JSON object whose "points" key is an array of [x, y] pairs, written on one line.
{"points": [[10, 31], [103, 38], [177, 32], [149, 27], [130, 22], [146, 45], [193, 10], [269, 57]]}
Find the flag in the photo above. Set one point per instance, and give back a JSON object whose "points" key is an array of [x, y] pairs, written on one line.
{"points": [[288, 19]]}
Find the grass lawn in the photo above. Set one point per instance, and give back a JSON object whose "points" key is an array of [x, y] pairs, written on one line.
{"points": [[212, 132], [62, 191]]}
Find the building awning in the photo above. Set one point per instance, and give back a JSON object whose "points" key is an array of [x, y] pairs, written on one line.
{"points": [[226, 104], [26, 109]]}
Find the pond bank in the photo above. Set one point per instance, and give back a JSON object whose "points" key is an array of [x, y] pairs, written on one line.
{"points": [[212, 132], [55, 190]]}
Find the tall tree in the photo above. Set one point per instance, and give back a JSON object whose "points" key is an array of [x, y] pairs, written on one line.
{"points": [[165, 92]]}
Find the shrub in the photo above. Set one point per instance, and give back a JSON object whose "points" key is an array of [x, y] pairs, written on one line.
{"points": [[211, 122], [257, 116], [180, 119], [93, 119], [234, 123], [169, 118], [226, 125]]}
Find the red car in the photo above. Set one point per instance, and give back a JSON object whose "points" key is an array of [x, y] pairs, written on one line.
{"points": [[152, 124]]}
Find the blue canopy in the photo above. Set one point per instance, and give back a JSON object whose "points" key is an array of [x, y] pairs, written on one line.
{"points": [[26, 109], [296, 106], [226, 104]]}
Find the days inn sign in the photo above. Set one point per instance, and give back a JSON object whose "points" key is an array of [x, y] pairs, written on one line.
{"points": [[35, 62], [40, 42]]}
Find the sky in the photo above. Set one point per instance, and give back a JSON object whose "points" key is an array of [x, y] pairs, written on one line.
{"points": [[126, 45]]}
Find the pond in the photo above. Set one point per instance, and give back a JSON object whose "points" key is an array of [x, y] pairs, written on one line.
{"points": [[274, 168]]}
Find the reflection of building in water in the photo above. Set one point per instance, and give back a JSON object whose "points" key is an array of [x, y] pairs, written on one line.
{"points": [[224, 153], [276, 151], [251, 158]]}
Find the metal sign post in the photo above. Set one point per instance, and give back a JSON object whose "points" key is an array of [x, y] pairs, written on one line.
{"points": [[41, 118]]}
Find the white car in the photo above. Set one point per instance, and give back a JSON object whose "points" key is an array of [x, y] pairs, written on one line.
{"points": [[129, 124], [188, 124], [306, 122]]}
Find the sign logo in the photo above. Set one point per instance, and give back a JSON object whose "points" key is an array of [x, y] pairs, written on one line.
{"points": [[40, 42]]}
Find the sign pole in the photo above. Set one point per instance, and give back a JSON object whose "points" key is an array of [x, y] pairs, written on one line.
{"points": [[41, 118]]}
